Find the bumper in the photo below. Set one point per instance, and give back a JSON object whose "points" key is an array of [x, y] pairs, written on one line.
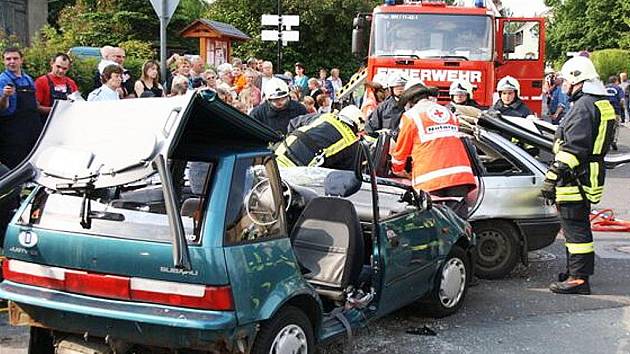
{"points": [[539, 232], [141, 323]]}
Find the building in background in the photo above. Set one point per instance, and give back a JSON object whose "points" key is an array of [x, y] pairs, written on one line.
{"points": [[23, 18], [215, 39]]}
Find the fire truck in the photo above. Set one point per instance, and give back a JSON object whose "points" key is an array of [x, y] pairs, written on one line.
{"points": [[439, 43]]}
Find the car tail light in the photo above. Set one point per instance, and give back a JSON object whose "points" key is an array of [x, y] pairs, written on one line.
{"points": [[187, 295], [33, 274], [197, 296], [97, 285]]}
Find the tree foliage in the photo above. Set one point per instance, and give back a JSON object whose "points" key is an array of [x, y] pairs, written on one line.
{"points": [[587, 25], [325, 30]]}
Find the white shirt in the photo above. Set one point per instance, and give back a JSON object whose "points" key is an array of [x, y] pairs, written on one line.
{"points": [[103, 93]]}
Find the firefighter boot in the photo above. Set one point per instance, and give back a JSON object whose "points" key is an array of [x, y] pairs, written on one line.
{"points": [[572, 285]]}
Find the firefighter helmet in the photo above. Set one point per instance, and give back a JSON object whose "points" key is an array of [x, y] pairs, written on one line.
{"points": [[578, 69], [396, 79], [461, 86], [276, 88], [351, 115], [381, 79], [508, 83]]}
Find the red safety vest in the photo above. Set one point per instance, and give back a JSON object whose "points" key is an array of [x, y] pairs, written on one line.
{"points": [[429, 134]]}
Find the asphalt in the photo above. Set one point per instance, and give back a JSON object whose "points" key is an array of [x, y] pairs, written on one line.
{"points": [[517, 314]]}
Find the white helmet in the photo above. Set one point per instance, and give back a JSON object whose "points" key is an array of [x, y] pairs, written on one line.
{"points": [[396, 78], [381, 79], [413, 82], [508, 83], [461, 86], [276, 88], [578, 69], [351, 115]]}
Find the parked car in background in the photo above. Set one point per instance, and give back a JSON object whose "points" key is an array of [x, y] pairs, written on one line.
{"points": [[85, 52]]}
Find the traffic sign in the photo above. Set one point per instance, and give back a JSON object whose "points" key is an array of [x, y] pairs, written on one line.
{"points": [[165, 8], [269, 20], [269, 35]]}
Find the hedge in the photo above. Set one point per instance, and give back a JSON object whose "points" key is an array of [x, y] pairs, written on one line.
{"points": [[610, 62]]}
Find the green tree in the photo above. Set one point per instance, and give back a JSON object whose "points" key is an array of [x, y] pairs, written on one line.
{"points": [[325, 30], [587, 24]]}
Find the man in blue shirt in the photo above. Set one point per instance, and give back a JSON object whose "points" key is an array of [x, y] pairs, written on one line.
{"points": [[20, 124], [615, 96], [559, 103]]}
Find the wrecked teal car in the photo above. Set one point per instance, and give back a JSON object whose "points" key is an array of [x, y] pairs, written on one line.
{"points": [[164, 225]]}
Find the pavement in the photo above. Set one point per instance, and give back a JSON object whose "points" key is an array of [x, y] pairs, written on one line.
{"points": [[516, 314]]}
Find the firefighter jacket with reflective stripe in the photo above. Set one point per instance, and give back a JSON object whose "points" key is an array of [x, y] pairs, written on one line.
{"points": [[386, 116], [429, 135], [324, 141], [581, 142]]}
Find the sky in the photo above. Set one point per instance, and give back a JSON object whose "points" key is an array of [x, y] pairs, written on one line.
{"points": [[525, 7]]}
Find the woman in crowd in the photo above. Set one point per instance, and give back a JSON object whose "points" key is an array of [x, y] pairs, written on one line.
{"points": [[149, 83], [250, 94]]}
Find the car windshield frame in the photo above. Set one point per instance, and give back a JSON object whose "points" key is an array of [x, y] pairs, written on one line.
{"points": [[429, 36]]}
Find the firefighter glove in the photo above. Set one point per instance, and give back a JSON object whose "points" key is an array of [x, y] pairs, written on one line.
{"points": [[549, 190]]}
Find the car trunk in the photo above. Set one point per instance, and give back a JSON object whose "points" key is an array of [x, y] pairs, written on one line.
{"points": [[92, 149]]}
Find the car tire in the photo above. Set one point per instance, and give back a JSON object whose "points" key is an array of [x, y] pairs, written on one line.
{"points": [[40, 341], [289, 331], [498, 248], [451, 284]]}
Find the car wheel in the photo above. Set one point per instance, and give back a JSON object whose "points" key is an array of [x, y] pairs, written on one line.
{"points": [[40, 341], [451, 284], [497, 248], [289, 331]]}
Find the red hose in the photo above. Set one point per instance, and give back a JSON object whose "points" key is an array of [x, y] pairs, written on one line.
{"points": [[604, 220]]}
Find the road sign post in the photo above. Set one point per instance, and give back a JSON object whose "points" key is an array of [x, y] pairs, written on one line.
{"points": [[282, 34], [164, 10]]}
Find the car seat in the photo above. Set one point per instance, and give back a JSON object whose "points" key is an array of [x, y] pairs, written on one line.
{"points": [[328, 243]]}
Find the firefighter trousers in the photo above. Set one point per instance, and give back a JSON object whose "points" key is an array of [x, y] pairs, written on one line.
{"points": [[576, 227]]}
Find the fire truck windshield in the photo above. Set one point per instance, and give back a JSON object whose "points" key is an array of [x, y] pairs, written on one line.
{"points": [[462, 37]]}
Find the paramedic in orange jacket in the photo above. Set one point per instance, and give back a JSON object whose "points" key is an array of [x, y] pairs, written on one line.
{"points": [[429, 136]]}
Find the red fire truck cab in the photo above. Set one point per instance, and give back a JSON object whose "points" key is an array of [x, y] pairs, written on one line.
{"points": [[440, 43]]}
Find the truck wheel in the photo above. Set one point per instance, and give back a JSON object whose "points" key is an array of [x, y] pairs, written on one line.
{"points": [[451, 284], [40, 341], [289, 331], [497, 248]]}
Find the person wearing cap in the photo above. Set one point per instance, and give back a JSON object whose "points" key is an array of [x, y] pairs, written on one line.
{"points": [[509, 102], [326, 140], [278, 109], [461, 92], [575, 178], [429, 138], [387, 114]]}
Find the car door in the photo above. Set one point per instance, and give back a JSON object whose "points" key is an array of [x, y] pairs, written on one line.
{"points": [[409, 244]]}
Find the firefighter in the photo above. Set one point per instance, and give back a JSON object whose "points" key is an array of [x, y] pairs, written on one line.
{"points": [[429, 135], [461, 92], [278, 109], [387, 114], [575, 179], [509, 102], [326, 140]]}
